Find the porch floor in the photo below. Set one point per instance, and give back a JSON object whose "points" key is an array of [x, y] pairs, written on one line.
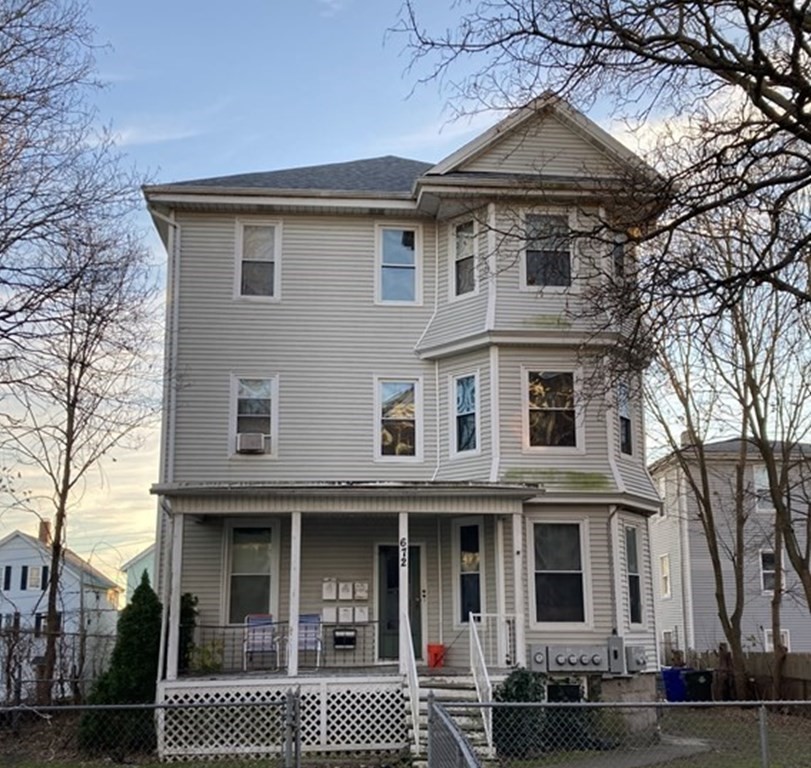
{"points": [[373, 670]]}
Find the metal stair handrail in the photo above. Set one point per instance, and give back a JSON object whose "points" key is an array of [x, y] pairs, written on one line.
{"points": [[484, 688]]}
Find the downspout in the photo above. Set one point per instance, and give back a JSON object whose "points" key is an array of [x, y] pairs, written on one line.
{"points": [[613, 534], [167, 444], [686, 573]]}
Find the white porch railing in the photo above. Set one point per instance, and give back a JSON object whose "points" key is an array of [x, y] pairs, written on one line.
{"points": [[407, 647], [496, 633], [484, 688]]}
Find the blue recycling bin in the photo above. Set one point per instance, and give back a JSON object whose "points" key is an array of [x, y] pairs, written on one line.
{"points": [[675, 686]]}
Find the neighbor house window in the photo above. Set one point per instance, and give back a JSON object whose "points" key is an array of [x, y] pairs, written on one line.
{"points": [[664, 575], [768, 640], [619, 260], [398, 266], [768, 568], [255, 414], [559, 577], [258, 259], [547, 259], [464, 259], [35, 577], [634, 576], [624, 411], [465, 431], [550, 409], [249, 588], [398, 418], [763, 493], [468, 546]]}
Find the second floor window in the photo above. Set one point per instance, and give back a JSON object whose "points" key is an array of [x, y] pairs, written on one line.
{"points": [[464, 262], [398, 266], [258, 260], [465, 433], [551, 409], [624, 410], [398, 419], [254, 415], [768, 568], [548, 260], [763, 491], [664, 575]]}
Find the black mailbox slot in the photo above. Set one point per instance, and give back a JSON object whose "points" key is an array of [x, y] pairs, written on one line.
{"points": [[344, 639]]}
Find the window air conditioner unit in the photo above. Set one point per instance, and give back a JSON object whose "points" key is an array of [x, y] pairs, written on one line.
{"points": [[250, 442]]}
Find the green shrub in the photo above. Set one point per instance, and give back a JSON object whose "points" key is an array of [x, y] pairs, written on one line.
{"points": [[131, 679], [518, 731]]}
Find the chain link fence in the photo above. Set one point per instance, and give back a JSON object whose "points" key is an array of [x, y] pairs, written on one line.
{"points": [[146, 734], [626, 735]]}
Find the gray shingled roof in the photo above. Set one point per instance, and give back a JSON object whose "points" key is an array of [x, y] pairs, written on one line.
{"points": [[376, 174]]}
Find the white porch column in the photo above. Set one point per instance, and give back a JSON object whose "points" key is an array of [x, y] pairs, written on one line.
{"points": [[518, 580], [501, 595], [295, 592], [402, 559], [174, 598]]}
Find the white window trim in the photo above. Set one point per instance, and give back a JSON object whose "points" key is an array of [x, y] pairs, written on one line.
{"points": [[418, 425], [277, 260], [275, 556], [274, 417], [579, 413], [417, 228], [767, 508], [34, 571], [574, 252], [561, 626], [452, 295], [761, 552], [668, 595], [454, 454], [639, 574], [456, 524], [768, 639]]}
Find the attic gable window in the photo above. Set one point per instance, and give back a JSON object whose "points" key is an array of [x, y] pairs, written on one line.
{"points": [[547, 256], [398, 265], [258, 259], [464, 259]]}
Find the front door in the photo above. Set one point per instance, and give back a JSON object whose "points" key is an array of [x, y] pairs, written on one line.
{"points": [[388, 600]]}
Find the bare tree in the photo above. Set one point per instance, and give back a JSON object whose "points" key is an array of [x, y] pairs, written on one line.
{"points": [[56, 168], [86, 385], [723, 86]]}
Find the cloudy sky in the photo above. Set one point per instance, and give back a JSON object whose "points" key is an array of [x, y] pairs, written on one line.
{"points": [[201, 88]]}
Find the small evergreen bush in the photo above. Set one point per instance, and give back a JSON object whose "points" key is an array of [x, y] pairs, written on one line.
{"points": [[131, 679], [518, 731]]}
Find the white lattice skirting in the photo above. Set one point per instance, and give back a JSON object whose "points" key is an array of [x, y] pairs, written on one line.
{"points": [[337, 715]]}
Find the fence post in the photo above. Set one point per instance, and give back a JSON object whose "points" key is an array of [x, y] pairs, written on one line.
{"points": [[764, 737], [288, 729], [428, 728]]}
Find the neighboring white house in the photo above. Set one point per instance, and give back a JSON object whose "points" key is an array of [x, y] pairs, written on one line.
{"points": [[376, 424], [88, 610], [136, 567], [686, 607]]}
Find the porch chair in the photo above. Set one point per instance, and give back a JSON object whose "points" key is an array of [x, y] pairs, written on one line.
{"points": [[309, 635], [261, 637]]}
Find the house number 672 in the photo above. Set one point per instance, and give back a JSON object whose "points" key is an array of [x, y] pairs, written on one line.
{"points": [[403, 552]]}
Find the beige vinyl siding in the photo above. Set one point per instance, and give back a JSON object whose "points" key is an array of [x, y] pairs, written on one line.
{"points": [[458, 317], [325, 340], [546, 146], [563, 470], [598, 585], [463, 467], [631, 467]]}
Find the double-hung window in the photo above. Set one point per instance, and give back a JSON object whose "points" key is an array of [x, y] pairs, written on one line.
{"points": [[634, 575], [258, 259], [664, 576], [255, 421], [547, 255], [398, 407], [624, 414], [551, 414], [465, 414], [250, 572], [35, 577], [464, 259], [768, 570], [763, 493], [399, 262], [559, 577], [469, 562], [768, 640]]}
